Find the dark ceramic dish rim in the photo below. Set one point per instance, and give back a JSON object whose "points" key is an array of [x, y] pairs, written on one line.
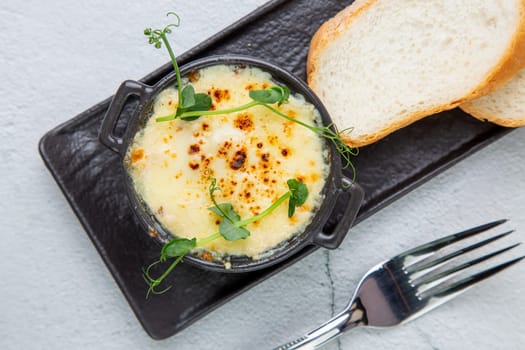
{"points": [[337, 186]]}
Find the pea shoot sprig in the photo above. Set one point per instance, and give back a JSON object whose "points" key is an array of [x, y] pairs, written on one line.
{"points": [[193, 105], [231, 228]]}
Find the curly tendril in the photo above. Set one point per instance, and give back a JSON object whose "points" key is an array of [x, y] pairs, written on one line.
{"points": [[157, 36], [172, 24], [153, 282]]}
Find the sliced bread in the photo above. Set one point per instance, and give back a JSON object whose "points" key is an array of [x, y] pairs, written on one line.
{"points": [[380, 65], [505, 106]]}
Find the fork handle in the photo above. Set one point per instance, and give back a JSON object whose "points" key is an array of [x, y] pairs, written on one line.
{"points": [[328, 331]]}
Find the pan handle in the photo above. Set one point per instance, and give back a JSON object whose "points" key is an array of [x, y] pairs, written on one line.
{"points": [[350, 195], [107, 131]]}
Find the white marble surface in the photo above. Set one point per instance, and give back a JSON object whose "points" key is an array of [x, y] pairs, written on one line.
{"points": [[59, 58]]}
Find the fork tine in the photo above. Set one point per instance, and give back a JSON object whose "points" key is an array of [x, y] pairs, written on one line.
{"points": [[422, 265], [442, 242], [425, 279], [446, 289]]}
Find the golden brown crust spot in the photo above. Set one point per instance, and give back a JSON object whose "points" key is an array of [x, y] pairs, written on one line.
{"points": [[195, 148], [194, 76], [136, 155], [238, 160], [244, 122], [219, 95]]}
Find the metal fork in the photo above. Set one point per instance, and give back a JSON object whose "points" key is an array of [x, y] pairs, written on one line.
{"points": [[407, 286]]}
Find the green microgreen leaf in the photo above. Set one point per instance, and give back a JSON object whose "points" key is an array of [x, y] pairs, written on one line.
{"points": [[274, 94], [229, 227], [177, 247], [201, 102], [188, 97], [225, 210], [230, 232], [298, 195], [190, 102], [299, 191]]}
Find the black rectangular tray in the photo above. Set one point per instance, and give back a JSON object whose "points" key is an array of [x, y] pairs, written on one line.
{"points": [[88, 173]]}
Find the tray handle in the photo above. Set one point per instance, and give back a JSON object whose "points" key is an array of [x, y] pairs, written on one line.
{"points": [[354, 195], [125, 90]]}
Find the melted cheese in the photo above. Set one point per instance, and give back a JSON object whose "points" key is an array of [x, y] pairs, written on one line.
{"points": [[251, 154]]}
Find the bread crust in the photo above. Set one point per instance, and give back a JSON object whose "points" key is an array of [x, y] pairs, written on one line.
{"points": [[512, 60], [485, 116]]}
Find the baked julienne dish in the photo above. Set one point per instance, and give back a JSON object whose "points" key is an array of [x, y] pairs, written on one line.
{"points": [[182, 169], [230, 163]]}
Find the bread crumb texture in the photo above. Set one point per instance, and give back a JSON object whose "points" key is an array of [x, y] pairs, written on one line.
{"points": [[380, 65]]}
